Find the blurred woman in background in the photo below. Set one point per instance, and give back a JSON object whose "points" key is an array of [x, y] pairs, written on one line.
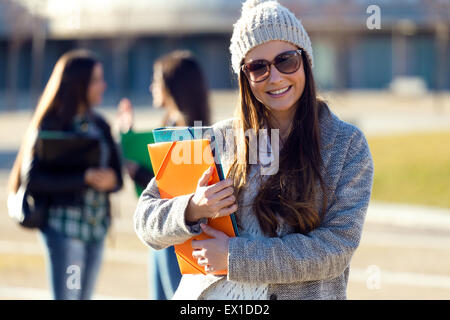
{"points": [[79, 208], [179, 86]]}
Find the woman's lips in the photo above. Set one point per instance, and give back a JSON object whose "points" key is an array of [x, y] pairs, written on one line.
{"points": [[279, 92]]}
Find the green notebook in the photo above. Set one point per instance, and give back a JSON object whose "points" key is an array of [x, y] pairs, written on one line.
{"points": [[134, 148]]}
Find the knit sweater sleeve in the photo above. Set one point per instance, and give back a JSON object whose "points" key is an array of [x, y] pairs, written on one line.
{"points": [[161, 223], [325, 252]]}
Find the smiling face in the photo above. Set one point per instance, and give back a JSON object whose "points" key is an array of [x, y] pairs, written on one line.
{"points": [[279, 92]]}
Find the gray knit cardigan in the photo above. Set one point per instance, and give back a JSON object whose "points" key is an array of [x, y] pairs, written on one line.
{"points": [[295, 266]]}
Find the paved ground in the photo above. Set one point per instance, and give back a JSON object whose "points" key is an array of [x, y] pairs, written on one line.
{"points": [[404, 252]]}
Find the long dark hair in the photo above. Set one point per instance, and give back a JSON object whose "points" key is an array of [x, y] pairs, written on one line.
{"points": [[186, 83], [289, 196], [64, 94]]}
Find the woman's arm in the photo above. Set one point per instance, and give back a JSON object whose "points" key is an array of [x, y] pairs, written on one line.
{"points": [[161, 223], [323, 253]]}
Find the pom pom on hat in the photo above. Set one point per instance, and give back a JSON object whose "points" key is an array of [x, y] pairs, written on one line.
{"points": [[262, 21], [250, 4]]}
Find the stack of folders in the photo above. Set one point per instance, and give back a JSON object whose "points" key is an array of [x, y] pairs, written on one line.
{"points": [[179, 156]]}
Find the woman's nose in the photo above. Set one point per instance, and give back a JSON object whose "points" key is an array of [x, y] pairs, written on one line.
{"points": [[275, 75]]}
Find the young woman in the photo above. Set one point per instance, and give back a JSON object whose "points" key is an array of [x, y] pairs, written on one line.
{"points": [[179, 86], [299, 225], [79, 207]]}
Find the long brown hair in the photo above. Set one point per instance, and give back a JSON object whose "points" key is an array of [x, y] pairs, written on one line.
{"points": [[289, 196], [185, 82], [65, 92]]}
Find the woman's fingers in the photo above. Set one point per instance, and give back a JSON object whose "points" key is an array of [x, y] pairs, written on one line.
{"points": [[210, 231], [202, 262], [209, 268], [199, 254], [227, 202], [125, 115], [203, 181], [225, 207], [219, 186], [227, 211], [215, 188], [228, 191], [209, 200], [211, 253], [102, 179], [220, 194], [125, 105], [97, 178]]}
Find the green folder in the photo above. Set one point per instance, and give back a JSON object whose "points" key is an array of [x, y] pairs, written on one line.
{"points": [[167, 134], [134, 148]]}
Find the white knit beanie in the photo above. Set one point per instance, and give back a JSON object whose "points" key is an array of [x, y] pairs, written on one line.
{"points": [[262, 21]]}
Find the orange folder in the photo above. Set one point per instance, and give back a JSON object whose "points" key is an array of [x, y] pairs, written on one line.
{"points": [[178, 165]]}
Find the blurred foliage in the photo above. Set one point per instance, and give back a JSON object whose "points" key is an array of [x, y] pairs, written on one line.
{"points": [[412, 168]]}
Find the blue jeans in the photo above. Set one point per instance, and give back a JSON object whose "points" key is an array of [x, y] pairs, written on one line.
{"points": [[72, 265], [164, 274]]}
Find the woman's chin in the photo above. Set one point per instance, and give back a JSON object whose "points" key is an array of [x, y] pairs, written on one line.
{"points": [[280, 107]]}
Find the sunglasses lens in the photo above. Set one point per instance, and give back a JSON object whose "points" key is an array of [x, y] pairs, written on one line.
{"points": [[288, 62], [257, 71]]}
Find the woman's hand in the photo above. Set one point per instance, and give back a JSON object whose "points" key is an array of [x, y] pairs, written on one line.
{"points": [[101, 179], [212, 201], [125, 117], [212, 254]]}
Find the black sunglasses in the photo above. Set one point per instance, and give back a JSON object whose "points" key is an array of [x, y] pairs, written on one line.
{"points": [[286, 62]]}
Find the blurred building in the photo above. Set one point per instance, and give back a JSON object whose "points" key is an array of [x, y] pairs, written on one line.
{"points": [[413, 41]]}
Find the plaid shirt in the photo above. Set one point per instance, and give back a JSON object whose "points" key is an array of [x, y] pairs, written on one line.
{"points": [[89, 222]]}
